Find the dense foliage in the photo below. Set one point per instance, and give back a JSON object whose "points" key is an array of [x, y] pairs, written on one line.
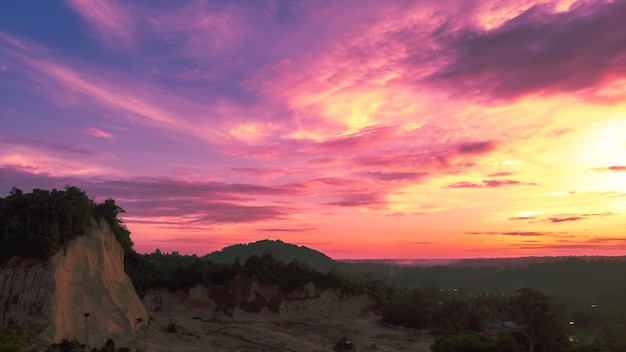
{"points": [[41, 223], [285, 252], [484, 317]]}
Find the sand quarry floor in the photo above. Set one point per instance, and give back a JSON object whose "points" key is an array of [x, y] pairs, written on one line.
{"points": [[262, 333]]}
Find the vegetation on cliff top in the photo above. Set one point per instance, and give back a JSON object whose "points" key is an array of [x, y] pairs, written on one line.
{"points": [[285, 252], [41, 223]]}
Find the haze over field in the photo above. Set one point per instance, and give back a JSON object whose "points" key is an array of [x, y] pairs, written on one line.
{"points": [[363, 129]]}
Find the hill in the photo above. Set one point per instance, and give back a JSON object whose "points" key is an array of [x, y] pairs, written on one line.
{"points": [[280, 250]]}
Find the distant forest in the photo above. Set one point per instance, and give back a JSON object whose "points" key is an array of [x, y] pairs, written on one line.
{"points": [[575, 304]]}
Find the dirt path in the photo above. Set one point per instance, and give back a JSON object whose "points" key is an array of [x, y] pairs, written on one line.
{"points": [[274, 334]]}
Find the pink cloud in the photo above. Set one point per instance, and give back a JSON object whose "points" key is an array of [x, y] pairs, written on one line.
{"points": [[618, 168], [203, 29], [522, 218], [99, 133], [287, 229], [155, 199], [584, 247], [367, 138], [359, 200], [489, 184], [570, 217], [500, 174], [110, 19], [564, 219], [264, 173], [395, 176], [513, 233], [51, 147]]}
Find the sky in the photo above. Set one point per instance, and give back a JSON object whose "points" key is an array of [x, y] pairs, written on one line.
{"points": [[359, 128]]}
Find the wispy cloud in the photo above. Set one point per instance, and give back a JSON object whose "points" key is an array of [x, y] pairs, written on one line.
{"points": [[395, 176], [500, 174], [617, 168], [573, 217], [287, 229], [358, 200], [50, 146], [109, 19], [514, 233], [488, 184], [99, 133], [165, 198]]}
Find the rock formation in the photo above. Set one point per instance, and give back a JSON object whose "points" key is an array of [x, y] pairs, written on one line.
{"points": [[246, 297], [82, 292]]}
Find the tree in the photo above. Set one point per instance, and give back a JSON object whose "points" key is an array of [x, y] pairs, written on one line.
{"points": [[109, 211], [610, 338], [109, 346], [40, 223], [536, 317]]}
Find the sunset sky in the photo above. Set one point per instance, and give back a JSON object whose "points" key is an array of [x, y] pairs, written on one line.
{"points": [[362, 129]]}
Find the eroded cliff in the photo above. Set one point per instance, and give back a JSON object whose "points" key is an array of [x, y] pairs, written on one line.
{"points": [[81, 292], [246, 297]]}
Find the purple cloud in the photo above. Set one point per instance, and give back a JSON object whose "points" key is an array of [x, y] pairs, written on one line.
{"points": [[287, 229], [522, 218], [512, 233], [58, 147], [394, 176], [538, 51], [236, 213], [617, 168], [364, 139], [489, 184], [573, 217], [477, 148], [194, 202], [358, 200]]}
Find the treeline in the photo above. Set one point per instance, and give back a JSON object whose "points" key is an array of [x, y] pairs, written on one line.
{"points": [[591, 290], [174, 271], [41, 223], [529, 320], [578, 276]]}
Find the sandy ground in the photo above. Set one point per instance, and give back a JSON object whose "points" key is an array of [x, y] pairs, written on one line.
{"points": [[270, 333]]}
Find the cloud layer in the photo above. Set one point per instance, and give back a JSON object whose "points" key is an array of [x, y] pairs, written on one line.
{"points": [[400, 126]]}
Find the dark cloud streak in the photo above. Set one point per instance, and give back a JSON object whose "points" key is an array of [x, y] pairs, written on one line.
{"points": [[538, 51], [194, 202]]}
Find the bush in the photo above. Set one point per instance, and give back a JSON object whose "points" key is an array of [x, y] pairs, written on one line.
{"points": [[11, 340], [172, 326]]}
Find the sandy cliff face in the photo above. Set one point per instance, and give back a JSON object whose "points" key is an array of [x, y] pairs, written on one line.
{"points": [[248, 298], [86, 278]]}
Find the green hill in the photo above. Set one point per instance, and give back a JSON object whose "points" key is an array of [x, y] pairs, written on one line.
{"points": [[280, 250]]}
